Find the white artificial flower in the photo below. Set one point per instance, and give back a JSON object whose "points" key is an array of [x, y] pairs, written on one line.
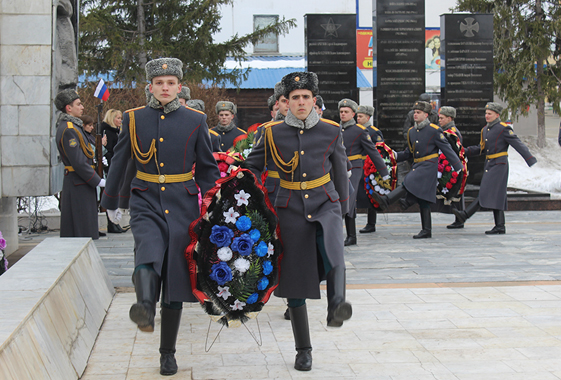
{"points": [[241, 265], [444, 190], [439, 175], [224, 254], [238, 305], [377, 188], [270, 250], [242, 198], [224, 292], [231, 215], [371, 176]]}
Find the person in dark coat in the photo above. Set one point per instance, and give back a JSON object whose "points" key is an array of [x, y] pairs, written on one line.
{"points": [[319, 105], [165, 139], [410, 120], [78, 216], [363, 115], [358, 144], [559, 138], [496, 137], [110, 128], [184, 95], [226, 127], [419, 186], [312, 165], [446, 116]]}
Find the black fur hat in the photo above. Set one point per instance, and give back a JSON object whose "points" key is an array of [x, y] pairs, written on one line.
{"points": [[303, 80]]}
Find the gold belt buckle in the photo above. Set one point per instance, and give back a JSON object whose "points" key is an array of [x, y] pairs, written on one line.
{"points": [[303, 185], [162, 178]]}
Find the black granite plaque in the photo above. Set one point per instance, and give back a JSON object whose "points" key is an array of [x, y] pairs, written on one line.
{"points": [[467, 75], [400, 40], [331, 54]]}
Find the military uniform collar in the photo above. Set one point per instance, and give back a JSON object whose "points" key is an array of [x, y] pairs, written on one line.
{"points": [[494, 122], [422, 124], [226, 128], [368, 124], [348, 123], [73, 119], [170, 107], [279, 116], [448, 126], [311, 120]]}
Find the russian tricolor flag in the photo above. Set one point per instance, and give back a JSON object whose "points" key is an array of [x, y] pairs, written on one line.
{"points": [[101, 91]]}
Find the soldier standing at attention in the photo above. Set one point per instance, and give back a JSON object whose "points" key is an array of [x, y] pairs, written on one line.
{"points": [[165, 140], [363, 115], [319, 105], [358, 144], [312, 164], [184, 95], [419, 186], [226, 127], [496, 137], [78, 216]]}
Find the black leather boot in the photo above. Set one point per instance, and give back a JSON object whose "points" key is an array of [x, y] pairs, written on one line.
{"points": [[113, 228], [171, 319], [370, 221], [338, 310], [350, 225], [457, 224], [462, 216], [146, 283], [499, 228], [301, 331], [426, 224], [287, 314], [386, 200]]}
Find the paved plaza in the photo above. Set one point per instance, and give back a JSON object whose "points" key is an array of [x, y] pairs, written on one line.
{"points": [[460, 306]]}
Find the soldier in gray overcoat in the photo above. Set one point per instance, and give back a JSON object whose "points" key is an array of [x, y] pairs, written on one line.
{"points": [[165, 139], [363, 115], [446, 116], [226, 127], [78, 216], [311, 161], [419, 186], [496, 137], [358, 144]]}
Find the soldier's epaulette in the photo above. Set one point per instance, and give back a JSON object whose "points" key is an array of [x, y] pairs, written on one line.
{"points": [[134, 109], [192, 109], [329, 122], [361, 126], [211, 131], [374, 128], [434, 126], [241, 130], [505, 124], [454, 129], [271, 123]]}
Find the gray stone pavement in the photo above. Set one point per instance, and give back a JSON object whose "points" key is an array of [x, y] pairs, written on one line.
{"points": [[462, 306]]}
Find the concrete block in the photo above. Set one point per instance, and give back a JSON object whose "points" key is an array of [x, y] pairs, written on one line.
{"points": [[55, 298], [26, 29], [35, 120], [25, 150], [25, 90], [28, 7], [25, 60], [9, 120], [24, 181]]}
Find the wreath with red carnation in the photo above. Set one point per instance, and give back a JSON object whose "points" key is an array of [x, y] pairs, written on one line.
{"points": [[451, 185], [373, 180], [235, 250]]}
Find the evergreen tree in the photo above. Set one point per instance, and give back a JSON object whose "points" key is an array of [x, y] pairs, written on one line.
{"points": [[527, 44], [122, 35]]}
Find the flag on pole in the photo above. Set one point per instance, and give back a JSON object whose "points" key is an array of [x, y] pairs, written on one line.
{"points": [[101, 91]]}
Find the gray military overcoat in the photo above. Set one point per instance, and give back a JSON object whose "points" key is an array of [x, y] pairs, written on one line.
{"points": [[358, 144], [421, 181], [78, 216], [227, 138], [161, 213], [496, 138], [320, 151]]}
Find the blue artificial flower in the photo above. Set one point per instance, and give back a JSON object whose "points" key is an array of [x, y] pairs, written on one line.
{"points": [[267, 268], [221, 236], [252, 298], [243, 244], [261, 249], [221, 273], [255, 234], [262, 283], [243, 223]]}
